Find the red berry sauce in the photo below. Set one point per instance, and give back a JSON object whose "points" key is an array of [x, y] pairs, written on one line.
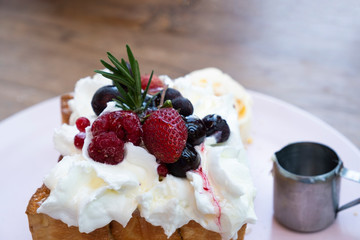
{"points": [[207, 188]]}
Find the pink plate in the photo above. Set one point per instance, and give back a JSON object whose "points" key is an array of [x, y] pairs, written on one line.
{"points": [[28, 154]]}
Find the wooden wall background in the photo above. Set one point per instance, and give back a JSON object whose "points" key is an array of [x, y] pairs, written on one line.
{"points": [[304, 52]]}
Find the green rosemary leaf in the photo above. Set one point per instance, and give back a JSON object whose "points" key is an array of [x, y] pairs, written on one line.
{"points": [[130, 79], [126, 96], [135, 69], [123, 63], [120, 103], [114, 60], [108, 66], [119, 100], [147, 86], [116, 78], [150, 100], [147, 103], [137, 80], [120, 68]]}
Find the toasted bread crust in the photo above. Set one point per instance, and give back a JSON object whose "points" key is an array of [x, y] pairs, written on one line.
{"points": [[44, 227], [65, 108]]}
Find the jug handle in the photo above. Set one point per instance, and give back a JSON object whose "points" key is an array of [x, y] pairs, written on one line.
{"points": [[353, 176]]}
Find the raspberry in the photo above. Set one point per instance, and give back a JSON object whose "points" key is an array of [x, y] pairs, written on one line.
{"points": [[79, 140], [104, 124], [165, 134], [106, 148], [125, 124], [82, 123], [130, 124]]}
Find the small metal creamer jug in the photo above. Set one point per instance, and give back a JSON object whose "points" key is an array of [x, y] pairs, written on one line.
{"points": [[307, 186]]}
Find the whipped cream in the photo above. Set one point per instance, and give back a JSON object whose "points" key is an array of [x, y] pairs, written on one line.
{"points": [[219, 195], [84, 91]]}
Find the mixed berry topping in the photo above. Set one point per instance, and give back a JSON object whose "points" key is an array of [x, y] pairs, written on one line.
{"points": [[168, 131], [217, 127]]}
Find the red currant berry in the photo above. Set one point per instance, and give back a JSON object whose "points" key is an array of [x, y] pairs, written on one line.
{"points": [[82, 123], [162, 170], [79, 140]]}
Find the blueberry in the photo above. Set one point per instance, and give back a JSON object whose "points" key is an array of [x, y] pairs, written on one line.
{"points": [[216, 126], [180, 103], [184, 106], [189, 160], [102, 96], [196, 130], [172, 93]]}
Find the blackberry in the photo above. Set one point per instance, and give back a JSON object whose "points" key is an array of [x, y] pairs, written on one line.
{"points": [[196, 130], [217, 126], [189, 160]]}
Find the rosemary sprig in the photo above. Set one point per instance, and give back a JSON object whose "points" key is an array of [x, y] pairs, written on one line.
{"points": [[128, 83]]}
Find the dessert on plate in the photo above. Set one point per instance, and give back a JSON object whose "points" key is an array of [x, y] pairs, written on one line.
{"points": [[147, 157]]}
